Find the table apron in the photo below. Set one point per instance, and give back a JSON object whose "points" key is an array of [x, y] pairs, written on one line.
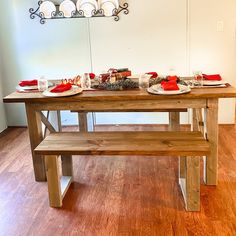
{"points": [[122, 106]]}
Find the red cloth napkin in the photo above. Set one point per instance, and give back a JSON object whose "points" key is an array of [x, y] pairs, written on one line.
{"points": [[169, 85], [24, 83], [61, 88], [153, 74], [212, 77], [92, 75], [172, 78]]}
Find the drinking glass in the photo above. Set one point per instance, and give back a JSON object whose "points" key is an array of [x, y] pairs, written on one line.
{"points": [[42, 84], [197, 79], [86, 81], [144, 81]]}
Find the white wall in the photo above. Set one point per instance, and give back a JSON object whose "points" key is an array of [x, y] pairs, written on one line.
{"points": [[3, 123], [10, 61], [212, 51], [156, 35], [151, 38]]}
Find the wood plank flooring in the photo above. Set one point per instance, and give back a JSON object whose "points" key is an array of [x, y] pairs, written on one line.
{"points": [[114, 196]]}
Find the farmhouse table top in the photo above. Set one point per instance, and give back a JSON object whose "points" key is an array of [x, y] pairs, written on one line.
{"points": [[196, 93]]}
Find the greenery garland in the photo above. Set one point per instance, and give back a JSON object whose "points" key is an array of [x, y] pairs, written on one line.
{"points": [[118, 85], [126, 84]]}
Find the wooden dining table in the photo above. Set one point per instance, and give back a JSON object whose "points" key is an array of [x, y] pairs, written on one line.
{"points": [[199, 99]]}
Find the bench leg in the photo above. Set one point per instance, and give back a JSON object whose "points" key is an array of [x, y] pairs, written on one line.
{"points": [[58, 186], [174, 125], [190, 183], [182, 164], [53, 177]]}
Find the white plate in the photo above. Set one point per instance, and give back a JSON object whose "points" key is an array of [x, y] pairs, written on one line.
{"points": [[47, 7], [115, 2], [88, 9], [67, 7], [18, 87], [81, 2], [212, 82], [157, 89], [73, 91], [108, 8]]}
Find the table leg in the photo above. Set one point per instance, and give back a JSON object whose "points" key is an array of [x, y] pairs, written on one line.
{"points": [[211, 161], [36, 136], [86, 123], [198, 124], [83, 126], [59, 121], [174, 123]]}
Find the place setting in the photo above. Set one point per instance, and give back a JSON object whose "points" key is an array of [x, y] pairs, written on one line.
{"points": [[169, 85], [169, 88], [48, 88], [58, 87], [63, 90], [33, 86], [27, 86], [201, 80], [173, 85]]}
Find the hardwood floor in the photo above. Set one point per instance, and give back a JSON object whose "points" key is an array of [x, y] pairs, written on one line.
{"points": [[115, 195]]}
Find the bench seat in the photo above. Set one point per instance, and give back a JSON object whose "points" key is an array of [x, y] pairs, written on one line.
{"points": [[189, 145], [161, 143]]}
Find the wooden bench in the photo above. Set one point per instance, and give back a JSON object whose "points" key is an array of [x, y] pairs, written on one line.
{"points": [[191, 145]]}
